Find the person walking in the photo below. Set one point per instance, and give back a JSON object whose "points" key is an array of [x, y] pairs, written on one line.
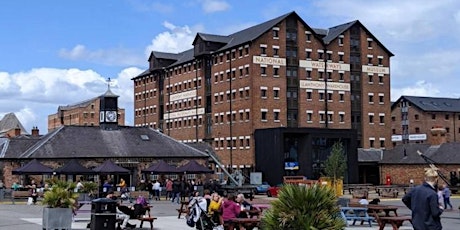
{"points": [[169, 189], [423, 202], [447, 193]]}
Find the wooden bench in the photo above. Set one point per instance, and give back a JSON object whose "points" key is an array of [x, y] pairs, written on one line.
{"points": [[149, 219], [395, 221], [23, 195], [356, 214], [360, 193]]}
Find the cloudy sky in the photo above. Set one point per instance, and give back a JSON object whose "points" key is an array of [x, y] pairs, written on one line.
{"points": [[61, 52]]}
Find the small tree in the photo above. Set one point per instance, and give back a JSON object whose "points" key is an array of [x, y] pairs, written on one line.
{"points": [[335, 166]]}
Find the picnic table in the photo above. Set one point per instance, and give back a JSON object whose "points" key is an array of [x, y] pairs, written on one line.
{"points": [[387, 209], [356, 214], [395, 221]]}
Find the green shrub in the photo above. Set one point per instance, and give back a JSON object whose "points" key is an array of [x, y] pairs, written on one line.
{"points": [[300, 207], [60, 195]]}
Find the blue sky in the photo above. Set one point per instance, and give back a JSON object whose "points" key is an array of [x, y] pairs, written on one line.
{"points": [[61, 52]]}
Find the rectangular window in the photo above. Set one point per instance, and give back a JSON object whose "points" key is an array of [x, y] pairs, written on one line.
{"points": [[275, 33], [382, 119], [263, 50], [263, 70], [264, 115], [321, 96], [276, 71], [263, 93], [276, 116], [309, 116], [371, 119], [371, 143], [275, 51], [276, 94], [342, 118], [433, 116], [308, 95]]}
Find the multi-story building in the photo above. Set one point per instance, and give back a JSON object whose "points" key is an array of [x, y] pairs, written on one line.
{"points": [[88, 113], [413, 119], [280, 74]]}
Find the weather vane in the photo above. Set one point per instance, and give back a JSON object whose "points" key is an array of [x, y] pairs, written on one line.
{"points": [[108, 82]]}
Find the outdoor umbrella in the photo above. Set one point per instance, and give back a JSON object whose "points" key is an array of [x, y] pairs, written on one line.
{"points": [[108, 167], [192, 167], [74, 168], [160, 167], [33, 168]]}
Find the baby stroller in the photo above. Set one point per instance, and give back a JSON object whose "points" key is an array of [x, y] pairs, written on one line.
{"points": [[198, 217]]}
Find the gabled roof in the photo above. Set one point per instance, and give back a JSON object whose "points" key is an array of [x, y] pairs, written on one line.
{"points": [[446, 153], [212, 38], [164, 55], [432, 104], [335, 31], [90, 142], [10, 122]]}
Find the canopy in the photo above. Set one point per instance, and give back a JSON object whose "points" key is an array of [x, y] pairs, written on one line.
{"points": [[74, 168], [33, 168], [192, 167], [160, 167], [108, 167]]}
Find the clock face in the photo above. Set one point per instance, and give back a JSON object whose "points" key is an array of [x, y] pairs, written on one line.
{"points": [[111, 116]]}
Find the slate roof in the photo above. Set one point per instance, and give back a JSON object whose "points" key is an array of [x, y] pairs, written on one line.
{"points": [[86, 103], [446, 153], [9, 122], [90, 142], [432, 104], [369, 155], [250, 34]]}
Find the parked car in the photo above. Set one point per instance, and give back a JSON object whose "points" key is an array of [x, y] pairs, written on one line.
{"points": [[273, 190], [262, 188]]}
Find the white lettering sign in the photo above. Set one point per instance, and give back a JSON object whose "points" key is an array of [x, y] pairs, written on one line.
{"points": [[320, 65], [269, 60], [376, 69], [184, 95], [304, 84], [417, 137], [395, 138], [185, 113]]}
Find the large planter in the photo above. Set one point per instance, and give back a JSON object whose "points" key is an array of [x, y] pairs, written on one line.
{"points": [[57, 218]]}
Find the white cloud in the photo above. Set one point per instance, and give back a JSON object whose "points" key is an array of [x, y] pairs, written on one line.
{"points": [[212, 6], [176, 39], [40, 91], [112, 57], [420, 88]]}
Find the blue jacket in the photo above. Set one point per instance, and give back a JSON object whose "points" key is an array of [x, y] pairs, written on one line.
{"points": [[423, 202]]}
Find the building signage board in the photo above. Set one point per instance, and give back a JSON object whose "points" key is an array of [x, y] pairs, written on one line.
{"points": [[269, 60], [321, 85], [417, 137], [184, 95], [185, 113], [376, 69], [320, 65], [395, 138]]}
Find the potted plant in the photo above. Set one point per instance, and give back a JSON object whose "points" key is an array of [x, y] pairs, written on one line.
{"points": [[59, 201], [89, 191], [303, 207]]}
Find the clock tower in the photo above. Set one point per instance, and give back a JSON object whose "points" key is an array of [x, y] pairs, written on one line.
{"points": [[108, 114]]}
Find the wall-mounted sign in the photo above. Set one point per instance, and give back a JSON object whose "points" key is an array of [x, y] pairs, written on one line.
{"points": [[417, 137], [321, 85], [320, 65], [291, 165], [269, 60], [395, 138], [376, 69], [184, 95], [185, 113]]}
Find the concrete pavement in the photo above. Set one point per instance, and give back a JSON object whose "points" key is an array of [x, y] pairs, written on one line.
{"points": [[25, 217]]}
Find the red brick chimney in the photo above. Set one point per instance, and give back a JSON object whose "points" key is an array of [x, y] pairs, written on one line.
{"points": [[438, 136], [17, 131], [35, 131]]}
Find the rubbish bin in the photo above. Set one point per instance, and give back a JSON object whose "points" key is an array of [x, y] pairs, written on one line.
{"points": [[103, 214]]}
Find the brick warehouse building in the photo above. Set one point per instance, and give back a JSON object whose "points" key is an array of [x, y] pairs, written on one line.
{"points": [[84, 113], [413, 118], [278, 74]]}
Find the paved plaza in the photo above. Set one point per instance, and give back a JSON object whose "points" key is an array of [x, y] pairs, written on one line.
{"points": [[28, 217]]}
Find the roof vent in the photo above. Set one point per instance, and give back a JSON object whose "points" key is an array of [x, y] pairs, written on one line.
{"points": [[145, 137]]}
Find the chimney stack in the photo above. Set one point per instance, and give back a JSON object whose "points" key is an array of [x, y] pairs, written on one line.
{"points": [[438, 136], [35, 131], [17, 131]]}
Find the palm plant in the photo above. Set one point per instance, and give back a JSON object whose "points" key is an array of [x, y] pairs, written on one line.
{"points": [[60, 195], [301, 207]]}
